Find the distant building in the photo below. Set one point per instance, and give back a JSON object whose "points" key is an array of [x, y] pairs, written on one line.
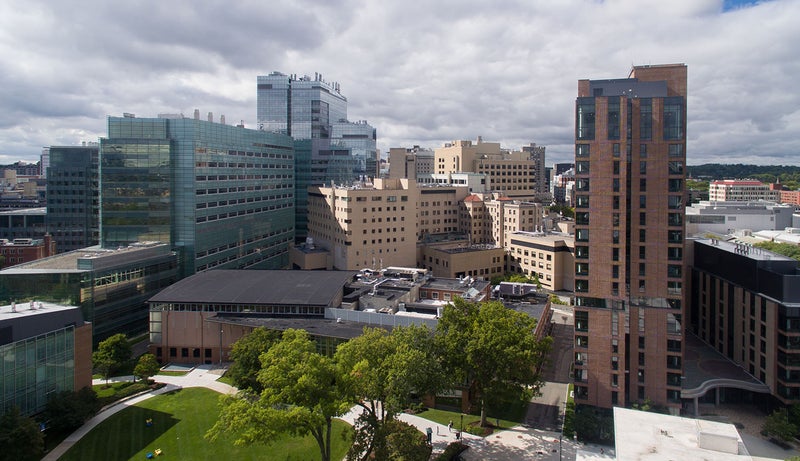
{"points": [[791, 197], [23, 223], [459, 260], [314, 113], [219, 195], [73, 202], [23, 250], [45, 348], [110, 286], [514, 174], [727, 217], [410, 163], [738, 190]]}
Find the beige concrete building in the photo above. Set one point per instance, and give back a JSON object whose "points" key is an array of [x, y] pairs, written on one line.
{"points": [[515, 174], [410, 163], [737, 190], [367, 226], [438, 208], [550, 257], [461, 260]]}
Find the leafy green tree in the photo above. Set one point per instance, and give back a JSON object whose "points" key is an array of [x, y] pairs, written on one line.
{"points": [[20, 437], [777, 424], [146, 367], [301, 395], [382, 372], [112, 354], [493, 348], [245, 355], [403, 442], [67, 410]]}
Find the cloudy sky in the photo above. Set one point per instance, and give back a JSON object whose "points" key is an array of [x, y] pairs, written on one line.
{"points": [[421, 71]]}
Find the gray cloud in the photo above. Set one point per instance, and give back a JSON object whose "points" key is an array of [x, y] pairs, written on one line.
{"points": [[422, 72]]}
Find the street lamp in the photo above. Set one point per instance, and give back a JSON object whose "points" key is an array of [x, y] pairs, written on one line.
{"points": [[220, 346], [462, 423]]}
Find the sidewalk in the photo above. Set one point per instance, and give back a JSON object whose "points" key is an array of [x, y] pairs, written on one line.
{"points": [[201, 376]]}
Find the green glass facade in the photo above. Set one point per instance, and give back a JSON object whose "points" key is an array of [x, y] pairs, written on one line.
{"points": [[34, 368], [221, 196], [72, 197]]}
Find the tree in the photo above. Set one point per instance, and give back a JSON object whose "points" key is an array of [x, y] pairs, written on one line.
{"points": [[146, 367], [111, 354], [777, 424], [301, 395], [383, 371], [493, 348], [245, 355], [67, 410], [20, 437], [403, 442]]}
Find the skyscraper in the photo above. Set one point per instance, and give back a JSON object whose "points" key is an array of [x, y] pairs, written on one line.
{"points": [[314, 109], [221, 196], [72, 196], [630, 143]]}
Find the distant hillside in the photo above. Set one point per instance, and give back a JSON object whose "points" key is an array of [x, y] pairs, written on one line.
{"points": [[764, 173]]}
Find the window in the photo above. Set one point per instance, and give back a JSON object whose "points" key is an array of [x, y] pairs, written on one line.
{"points": [[673, 118], [675, 167], [582, 201], [676, 150], [675, 202], [615, 254], [615, 236], [615, 271], [673, 362], [615, 363], [645, 118], [581, 268], [613, 119], [675, 236], [582, 150], [673, 345], [582, 167], [615, 149], [584, 120], [582, 184], [642, 150], [581, 252], [643, 184], [674, 270], [615, 167], [615, 184], [581, 321], [642, 235], [582, 341], [581, 286], [615, 202], [582, 218], [582, 235]]}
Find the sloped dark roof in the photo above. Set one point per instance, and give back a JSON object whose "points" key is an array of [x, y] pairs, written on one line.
{"points": [[257, 287]]}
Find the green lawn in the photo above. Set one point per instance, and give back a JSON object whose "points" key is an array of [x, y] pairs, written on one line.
{"points": [[444, 417], [180, 419]]}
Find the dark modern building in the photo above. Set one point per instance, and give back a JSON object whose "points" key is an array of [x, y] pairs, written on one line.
{"points": [[23, 223], [745, 304], [73, 196], [221, 196], [110, 286], [630, 155], [44, 348]]}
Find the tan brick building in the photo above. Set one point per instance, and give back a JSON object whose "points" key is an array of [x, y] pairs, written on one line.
{"points": [[515, 174], [630, 154], [550, 257]]}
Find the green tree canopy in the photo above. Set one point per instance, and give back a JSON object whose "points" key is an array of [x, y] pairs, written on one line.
{"points": [[245, 354], [382, 371], [777, 424], [111, 354], [146, 367], [301, 395], [67, 410], [20, 437], [493, 348]]}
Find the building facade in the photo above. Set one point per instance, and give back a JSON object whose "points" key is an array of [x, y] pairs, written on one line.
{"points": [[744, 304], [73, 196], [24, 250], [737, 190], [724, 218], [549, 257], [630, 143], [219, 195], [44, 349]]}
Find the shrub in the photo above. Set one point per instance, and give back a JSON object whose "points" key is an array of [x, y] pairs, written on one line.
{"points": [[452, 450]]}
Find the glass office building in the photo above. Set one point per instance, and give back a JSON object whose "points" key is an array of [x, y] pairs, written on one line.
{"points": [[312, 108], [44, 349], [72, 197], [221, 196]]}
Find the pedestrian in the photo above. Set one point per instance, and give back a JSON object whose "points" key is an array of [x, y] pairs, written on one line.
{"points": [[450, 426]]}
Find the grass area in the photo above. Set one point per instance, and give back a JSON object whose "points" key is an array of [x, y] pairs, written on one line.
{"points": [[173, 373], [180, 420], [227, 380], [470, 420]]}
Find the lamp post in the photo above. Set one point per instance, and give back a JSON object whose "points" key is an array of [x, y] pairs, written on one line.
{"points": [[220, 345], [462, 423]]}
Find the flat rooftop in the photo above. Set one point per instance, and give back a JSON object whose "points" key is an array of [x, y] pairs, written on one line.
{"points": [[267, 287], [469, 249], [330, 328], [642, 435], [24, 211], [749, 251], [68, 262]]}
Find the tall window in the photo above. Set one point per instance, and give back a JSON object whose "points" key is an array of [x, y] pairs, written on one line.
{"points": [[645, 119], [673, 118], [584, 120], [613, 119]]}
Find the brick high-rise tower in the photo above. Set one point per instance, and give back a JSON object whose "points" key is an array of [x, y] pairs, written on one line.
{"points": [[630, 156]]}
